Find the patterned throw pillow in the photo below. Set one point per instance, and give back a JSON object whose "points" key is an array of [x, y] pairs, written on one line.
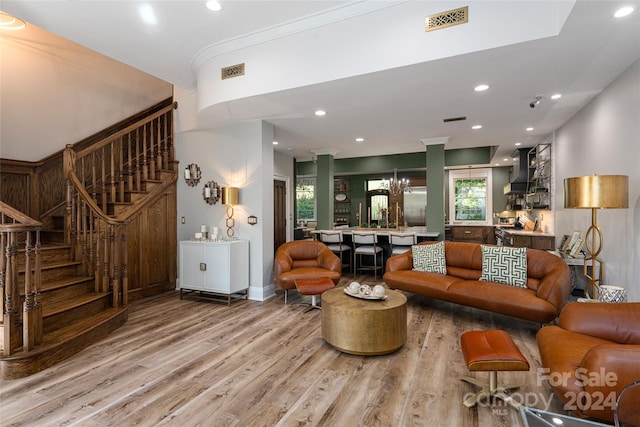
{"points": [[429, 258], [504, 265]]}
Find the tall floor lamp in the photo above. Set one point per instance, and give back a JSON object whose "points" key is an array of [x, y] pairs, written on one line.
{"points": [[595, 192]]}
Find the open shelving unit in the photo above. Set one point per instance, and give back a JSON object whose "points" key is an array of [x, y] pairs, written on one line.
{"points": [[538, 194], [342, 201]]}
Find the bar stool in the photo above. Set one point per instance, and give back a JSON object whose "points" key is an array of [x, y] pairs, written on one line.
{"points": [[401, 242], [366, 244], [334, 241]]}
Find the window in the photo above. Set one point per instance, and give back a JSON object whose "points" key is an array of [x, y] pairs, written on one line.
{"points": [[470, 196], [305, 198]]}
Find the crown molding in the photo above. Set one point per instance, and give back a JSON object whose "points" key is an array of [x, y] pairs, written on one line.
{"points": [[310, 22], [444, 140]]}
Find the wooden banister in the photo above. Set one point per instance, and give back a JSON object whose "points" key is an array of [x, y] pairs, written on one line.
{"points": [[21, 328]]}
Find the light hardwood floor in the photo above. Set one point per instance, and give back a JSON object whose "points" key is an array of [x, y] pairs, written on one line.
{"points": [[197, 363]]}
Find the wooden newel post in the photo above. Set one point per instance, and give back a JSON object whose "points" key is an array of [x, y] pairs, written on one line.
{"points": [[68, 166]]}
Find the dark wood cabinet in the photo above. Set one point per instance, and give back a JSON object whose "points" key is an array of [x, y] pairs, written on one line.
{"points": [[545, 243], [472, 234]]}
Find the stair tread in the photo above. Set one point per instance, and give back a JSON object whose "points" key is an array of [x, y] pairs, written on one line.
{"points": [[62, 283], [61, 336], [56, 307], [56, 284], [79, 325]]}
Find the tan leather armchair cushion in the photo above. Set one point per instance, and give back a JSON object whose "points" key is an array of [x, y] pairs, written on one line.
{"points": [[592, 340], [305, 259]]}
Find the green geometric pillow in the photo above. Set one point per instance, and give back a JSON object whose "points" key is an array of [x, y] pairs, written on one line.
{"points": [[504, 265], [429, 258]]}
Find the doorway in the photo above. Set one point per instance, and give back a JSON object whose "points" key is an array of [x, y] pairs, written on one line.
{"points": [[279, 213]]}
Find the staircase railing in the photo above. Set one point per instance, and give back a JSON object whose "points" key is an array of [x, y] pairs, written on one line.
{"points": [[99, 241], [103, 174], [21, 326]]}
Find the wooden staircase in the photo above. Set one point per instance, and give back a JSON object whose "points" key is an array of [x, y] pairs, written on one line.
{"points": [[74, 316], [64, 281]]}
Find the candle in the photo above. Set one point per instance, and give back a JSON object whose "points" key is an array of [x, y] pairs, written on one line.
{"points": [[187, 174], [203, 228], [207, 192], [397, 215], [369, 217], [360, 214]]}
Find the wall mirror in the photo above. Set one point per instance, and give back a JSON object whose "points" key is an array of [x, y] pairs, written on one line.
{"points": [[211, 192], [192, 175]]}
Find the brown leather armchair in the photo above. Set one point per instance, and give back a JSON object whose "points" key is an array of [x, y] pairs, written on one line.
{"points": [[304, 259], [592, 355]]}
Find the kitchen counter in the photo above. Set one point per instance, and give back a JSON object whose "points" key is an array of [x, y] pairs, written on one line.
{"points": [[511, 230]]}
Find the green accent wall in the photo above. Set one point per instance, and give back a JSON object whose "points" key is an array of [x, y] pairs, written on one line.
{"points": [[429, 163], [435, 160], [324, 192], [408, 161]]}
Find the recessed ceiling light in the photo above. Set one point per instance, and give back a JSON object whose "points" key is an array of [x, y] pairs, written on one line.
{"points": [[275, 142], [214, 5], [147, 14], [623, 11], [359, 139], [481, 88], [9, 22], [518, 144], [505, 160], [529, 129], [476, 127], [321, 113], [556, 96]]}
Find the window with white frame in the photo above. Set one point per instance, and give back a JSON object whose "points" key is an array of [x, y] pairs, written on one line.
{"points": [[305, 198], [470, 198]]}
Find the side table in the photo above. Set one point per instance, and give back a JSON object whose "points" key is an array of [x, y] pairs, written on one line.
{"points": [[364, 327]]}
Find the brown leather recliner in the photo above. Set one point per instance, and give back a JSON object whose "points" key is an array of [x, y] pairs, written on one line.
{"points": [[591, 355], [304, 259]]}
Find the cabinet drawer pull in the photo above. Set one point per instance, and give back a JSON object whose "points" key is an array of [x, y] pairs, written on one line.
{"points": [[203, 266], [467, 232]]}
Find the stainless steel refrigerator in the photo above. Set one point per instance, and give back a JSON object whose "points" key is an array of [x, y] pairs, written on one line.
{"points": [[415, 206]]}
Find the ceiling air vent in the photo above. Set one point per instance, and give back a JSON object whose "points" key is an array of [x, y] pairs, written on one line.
{"points": [[447, 19], [454, 119], [233, 71]]}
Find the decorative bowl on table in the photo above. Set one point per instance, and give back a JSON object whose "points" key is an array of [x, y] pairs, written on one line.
{"points": [[363, 291]]}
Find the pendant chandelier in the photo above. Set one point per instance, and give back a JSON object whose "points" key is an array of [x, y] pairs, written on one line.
{"points": [[396, 186]]}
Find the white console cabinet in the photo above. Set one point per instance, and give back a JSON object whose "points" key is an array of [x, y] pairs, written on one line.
{"points": [[212, 269]]}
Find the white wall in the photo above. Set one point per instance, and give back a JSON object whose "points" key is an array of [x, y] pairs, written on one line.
{"points": [[55, 92], [604, 139], [239, 156]]}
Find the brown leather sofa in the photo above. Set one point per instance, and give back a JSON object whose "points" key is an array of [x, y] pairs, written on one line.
{"points": [[591, 355], [548, 282], [304, 259]]}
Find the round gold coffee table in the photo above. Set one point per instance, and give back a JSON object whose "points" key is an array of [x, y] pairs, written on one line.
{"points": [[364, 327]]}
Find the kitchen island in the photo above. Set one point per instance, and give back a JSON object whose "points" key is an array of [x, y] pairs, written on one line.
{"points": [[421, 233]]}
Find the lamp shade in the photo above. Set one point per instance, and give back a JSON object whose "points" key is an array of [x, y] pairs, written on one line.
{"points": [[596, 191], [230, 196]]}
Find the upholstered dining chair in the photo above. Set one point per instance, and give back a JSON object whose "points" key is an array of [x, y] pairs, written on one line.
{"points": [[334, 239], [365, 243], [401, 242], [304, 259]]}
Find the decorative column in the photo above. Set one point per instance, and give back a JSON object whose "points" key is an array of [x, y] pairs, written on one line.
{"points": [[435, 184], [324, 188]]}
